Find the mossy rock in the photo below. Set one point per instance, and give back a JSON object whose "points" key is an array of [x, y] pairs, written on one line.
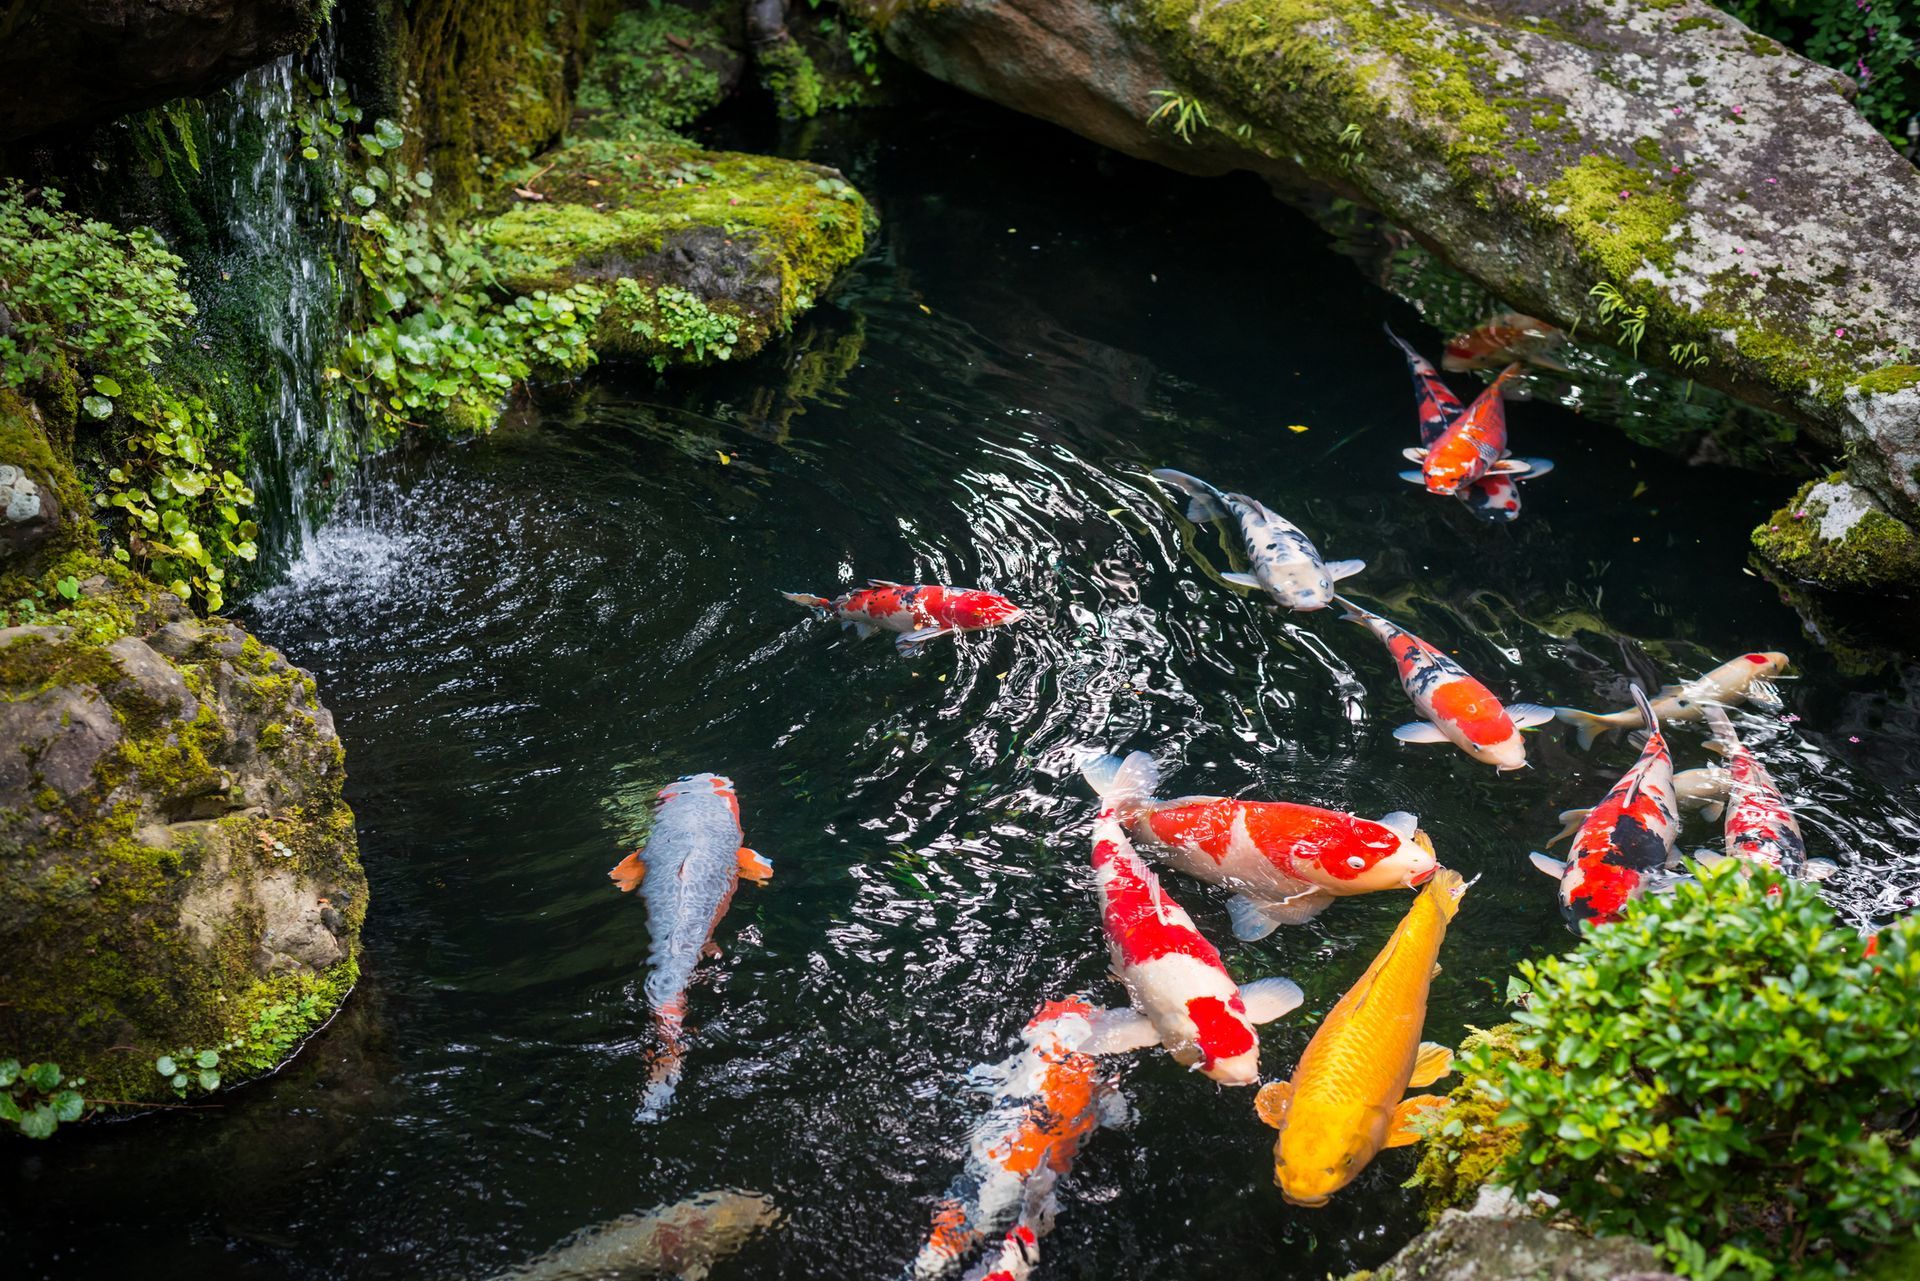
{"points": [[43, 508], [1465, 1149], [178, 870], [1833, 534], [704, 255]]}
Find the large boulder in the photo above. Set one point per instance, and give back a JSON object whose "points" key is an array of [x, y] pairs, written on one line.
{"points": [[178, 871], [78, 62], [1649, 168], [1500, 1240]]}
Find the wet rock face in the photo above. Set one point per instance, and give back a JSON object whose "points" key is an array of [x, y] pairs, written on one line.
{"points": [[177, 867], [78, 62], [1499, 1240], [1757, 233]]}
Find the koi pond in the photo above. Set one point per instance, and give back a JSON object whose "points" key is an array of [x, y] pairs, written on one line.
{"points": [[525, 637]]}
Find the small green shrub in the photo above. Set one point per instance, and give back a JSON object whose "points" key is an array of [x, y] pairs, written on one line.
{"points": [[72, 287], [649, 64], [1466, 1143], [35, 1099], [1734, 1075], [1872, 42]]}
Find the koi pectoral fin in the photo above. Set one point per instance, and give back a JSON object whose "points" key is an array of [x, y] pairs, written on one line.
{"points": [[1529, 715], [1401, 1130], [1245, 580], [628, 873], [1339, 569], [1269, 999], [1551, 866], [1570, 821], [1255, 918], [1118, 1031], [754, 866], [910, 642], [1414, 454], [1433, 1062], [1536, 467], [1413, 478], [1420, 732], [1271, 1103]]}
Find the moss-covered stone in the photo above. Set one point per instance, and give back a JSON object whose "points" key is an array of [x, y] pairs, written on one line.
{"points": [[1466, 1149], [704, 255], [171, 878], [1833, 534]]}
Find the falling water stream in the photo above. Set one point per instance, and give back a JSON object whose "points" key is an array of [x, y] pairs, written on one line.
{"points": [[523, 637]]}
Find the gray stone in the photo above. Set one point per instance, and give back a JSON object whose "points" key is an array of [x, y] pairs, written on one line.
{"points": [[1498, 1240], [154, 679]]}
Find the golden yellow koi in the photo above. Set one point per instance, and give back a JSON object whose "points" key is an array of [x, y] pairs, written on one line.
{"points": [[1344, 1102]]}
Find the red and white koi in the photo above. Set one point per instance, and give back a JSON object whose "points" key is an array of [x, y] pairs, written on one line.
{"points": [[1286, 565], [1494, 497], [1738, 680], [919, 613], [687, 872], [1046, 1102], [1287, 862], [1760, 827], [1625, 846], [1454, 706], [1501, 338], [1172, 973], [1472, 446]]}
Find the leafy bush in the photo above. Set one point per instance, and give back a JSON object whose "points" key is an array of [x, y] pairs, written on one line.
{"points": [[1871, 41], [38, 1097], [1734, 1077], [650, 63]]}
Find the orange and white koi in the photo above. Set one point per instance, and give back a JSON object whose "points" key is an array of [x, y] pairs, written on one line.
{"points": [[1454, 706], [1501, 338], [1172, 973], [1473, 446], [1286, 565], [1494, 497], [1047, 1101], [687, 872], [1287, 862], [1624, 847], [919, 613], [1347, 1099], [1760, 827], [1736, 681]]}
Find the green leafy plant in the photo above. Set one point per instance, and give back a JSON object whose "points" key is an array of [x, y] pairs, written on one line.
{"points": [[670, 315], [273, 1031], [1735, 1079], [37, 1098], [1350, 151], [1629, 318], [1184, 114], [649, 63], [82, 290], [186, 1070], [1687, 355]]}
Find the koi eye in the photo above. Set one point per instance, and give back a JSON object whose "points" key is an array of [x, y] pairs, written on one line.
{"points": [[1356, 862]]}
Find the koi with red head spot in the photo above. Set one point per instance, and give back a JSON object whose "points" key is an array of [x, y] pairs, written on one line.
{"points": [[920, 613], [1472, 446], [1738, 680], [1494, 497], [1456, 708], [1760, 828], [1624, 848], [1287, 862], [1174, 975]]}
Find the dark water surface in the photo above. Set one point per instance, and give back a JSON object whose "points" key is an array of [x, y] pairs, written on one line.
{"points": [[524, 637]]}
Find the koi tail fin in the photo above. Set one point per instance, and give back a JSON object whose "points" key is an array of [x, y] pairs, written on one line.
{"points": [[1646, 709], [1446, 889], [666, 1062], [1586, 725], [1206, 501], [1350, 612], [1123, 786], [818, 604]]}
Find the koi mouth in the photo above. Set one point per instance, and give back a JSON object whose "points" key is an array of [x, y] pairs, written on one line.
{"points": [[1421, 878], [1311, 1202]]}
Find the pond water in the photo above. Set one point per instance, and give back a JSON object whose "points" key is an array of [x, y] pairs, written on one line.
{"points": [[524, 637]]}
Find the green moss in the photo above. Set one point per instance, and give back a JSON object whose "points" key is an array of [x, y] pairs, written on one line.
{"points": [[658, 63], [1761, 46], [1876, 552], [1888, 378], [1468, 1145], [1697, 23], [1620, 216], [788, 73]]}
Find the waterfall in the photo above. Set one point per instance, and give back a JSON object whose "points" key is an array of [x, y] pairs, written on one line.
{"points": [[280, 297]]}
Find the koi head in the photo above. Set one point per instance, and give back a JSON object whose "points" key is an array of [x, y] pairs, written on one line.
{"points": [[1767, 663], [1060, 1026], [985, 609], [1508, 753], [1319, 1151], [1385, 859]]}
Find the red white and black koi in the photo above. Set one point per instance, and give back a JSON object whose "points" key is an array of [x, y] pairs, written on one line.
{"points": [[1456, 708], [1172, 973], [1625, 846], [920, 613], [1494, 497], [1760, 828], [1286, 565], [687, 872]]}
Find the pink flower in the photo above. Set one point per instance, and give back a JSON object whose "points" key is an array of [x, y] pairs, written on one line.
{"points": [[1626, 195], [1790, 717], [1739, 110], [1676, 111], [1773, 182], [1853, 738], [1839, 333], [1801, 514], [1739, 251], [1676, 168]]}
